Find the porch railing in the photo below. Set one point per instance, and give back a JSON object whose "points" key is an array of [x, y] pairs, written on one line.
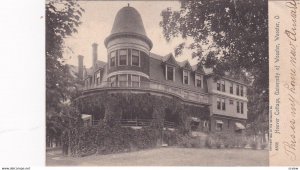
{"points": [[138, 123], [147, 85]]}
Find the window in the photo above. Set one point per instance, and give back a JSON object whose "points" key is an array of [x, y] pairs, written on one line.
{"points": [[113, 59], [113, 81], [135, 58], [223, 86], [135, 81], [230, 101], [237, 90], [123, 79], [86, 83], [198, 81], [185, 77], [231, 88], [238, 107], [242, 107], [228, 123], [123, 57], [205, 123], [218, 85], [219, 125], [170, 73], [223, 104], [98, 79], [242, 91], [218, 104], [90, 81]]}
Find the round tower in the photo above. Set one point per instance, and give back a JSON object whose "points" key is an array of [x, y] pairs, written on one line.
{"points": [[128, 49]]}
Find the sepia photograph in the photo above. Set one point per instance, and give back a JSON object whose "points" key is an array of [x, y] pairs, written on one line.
{"points": [[157, 83]]}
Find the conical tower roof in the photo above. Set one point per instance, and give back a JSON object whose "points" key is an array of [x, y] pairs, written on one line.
{"points": [[128, 22]]}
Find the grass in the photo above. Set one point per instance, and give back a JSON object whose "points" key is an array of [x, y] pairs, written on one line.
{"points": [[167, 157]]}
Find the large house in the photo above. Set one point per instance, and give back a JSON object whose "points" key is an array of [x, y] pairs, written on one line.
{"points": [[133, 67]]}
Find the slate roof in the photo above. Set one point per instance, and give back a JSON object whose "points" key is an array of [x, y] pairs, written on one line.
{"points": [[128, 19]]}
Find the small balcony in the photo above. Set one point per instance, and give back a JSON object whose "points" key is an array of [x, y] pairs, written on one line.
{"points": [[185, 95]]}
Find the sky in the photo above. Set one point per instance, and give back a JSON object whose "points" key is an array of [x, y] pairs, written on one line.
{"points": [[97, 23]]}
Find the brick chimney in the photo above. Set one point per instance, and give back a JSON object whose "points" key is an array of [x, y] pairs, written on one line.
{"points": [[80, 67], [95, 55]]}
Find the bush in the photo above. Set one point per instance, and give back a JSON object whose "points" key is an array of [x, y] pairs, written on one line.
{"points": [[227, 140], [264, 145], [105, 140], [253, 144]]}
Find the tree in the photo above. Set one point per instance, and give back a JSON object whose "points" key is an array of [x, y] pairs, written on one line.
{"points": [[228, 36], [62, 19]]}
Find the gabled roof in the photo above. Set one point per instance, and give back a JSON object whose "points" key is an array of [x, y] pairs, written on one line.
{"points": [[185, 65], [100, 64], [207, 70], [169, 59], [198, 68], [156, 56]]}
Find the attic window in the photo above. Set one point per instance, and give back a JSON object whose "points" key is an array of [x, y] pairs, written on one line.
{"points": [[231, 88], [223, 86], [237, 90], [185, 77], [242, 107], [113, 59], [238, 107], [198, 81], [218, 104], [170, 73], [242, 91]]}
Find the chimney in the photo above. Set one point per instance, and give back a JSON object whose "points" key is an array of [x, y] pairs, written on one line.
{"points": [[80, 67], [95, 55]]}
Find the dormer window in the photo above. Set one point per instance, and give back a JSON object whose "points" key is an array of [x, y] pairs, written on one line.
{"points": [[237, 90], [242, 108], [242, 91], [218, 104], [185, 77], [223, 104], [218, 85], [113, 59], [135, 58], [123, 57], [198, 81], [231, 88], [170, 73], [223, 85]]}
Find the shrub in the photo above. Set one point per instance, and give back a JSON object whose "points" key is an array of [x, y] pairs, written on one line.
{"points": [[210, 142], [264, 145], [105, 140], [227, 140], [253, 144]]}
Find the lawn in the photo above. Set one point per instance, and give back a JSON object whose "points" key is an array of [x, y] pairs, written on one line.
{"points": [[167, 157]]}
